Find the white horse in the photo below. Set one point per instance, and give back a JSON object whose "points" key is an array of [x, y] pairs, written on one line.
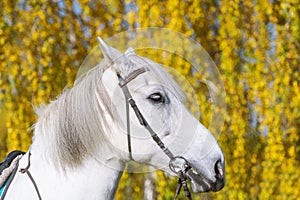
{"points": [[80, 144]]}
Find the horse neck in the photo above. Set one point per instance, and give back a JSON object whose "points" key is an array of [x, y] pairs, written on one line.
{"points": [[91, 180]]}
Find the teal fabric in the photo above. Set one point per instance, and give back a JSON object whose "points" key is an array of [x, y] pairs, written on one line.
{"points": [[2, 188]]}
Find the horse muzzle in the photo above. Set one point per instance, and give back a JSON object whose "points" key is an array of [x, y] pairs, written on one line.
{"points": [[201, 183]]}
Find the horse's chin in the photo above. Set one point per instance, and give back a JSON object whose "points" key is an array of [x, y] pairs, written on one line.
{"points": [[198, 183], [201, 184]]}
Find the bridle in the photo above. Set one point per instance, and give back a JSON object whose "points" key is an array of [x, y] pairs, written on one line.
{"points": [[179, 170]]}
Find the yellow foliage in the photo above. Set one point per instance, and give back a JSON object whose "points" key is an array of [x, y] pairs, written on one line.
{"points": [[255, 44]]}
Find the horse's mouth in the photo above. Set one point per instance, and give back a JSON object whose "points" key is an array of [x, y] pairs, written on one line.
{"points": [[201, 184]]}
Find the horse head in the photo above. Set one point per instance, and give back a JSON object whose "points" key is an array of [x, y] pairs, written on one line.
{"points": [[160, 102]]}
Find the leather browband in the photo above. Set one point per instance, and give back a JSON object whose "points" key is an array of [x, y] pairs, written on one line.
{"points": [[132, 76]]}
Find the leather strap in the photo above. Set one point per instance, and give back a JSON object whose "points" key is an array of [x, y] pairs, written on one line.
{"points": [[22, 170], [131, 76], [26, 170], [129, 100]]}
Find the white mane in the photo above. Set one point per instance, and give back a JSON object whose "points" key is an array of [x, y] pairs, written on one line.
{"points": [[72, 127]]}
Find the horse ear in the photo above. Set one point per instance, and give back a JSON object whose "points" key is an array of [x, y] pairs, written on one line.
{"points": [[129, 52], [109, 53], [122, 63]]}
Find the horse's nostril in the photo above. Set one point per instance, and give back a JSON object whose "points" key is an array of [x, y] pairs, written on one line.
{"points": [[219, 169], [220, 176]]}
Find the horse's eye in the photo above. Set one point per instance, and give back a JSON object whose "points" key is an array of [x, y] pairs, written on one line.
{"points": [[157, 98]]}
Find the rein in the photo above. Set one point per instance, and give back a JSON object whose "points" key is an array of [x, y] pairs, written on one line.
{"points": [[22, 170], [181, 172], [26, 170]]}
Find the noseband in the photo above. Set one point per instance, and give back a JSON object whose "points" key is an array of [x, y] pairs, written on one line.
{"points": [[179, 170]]}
